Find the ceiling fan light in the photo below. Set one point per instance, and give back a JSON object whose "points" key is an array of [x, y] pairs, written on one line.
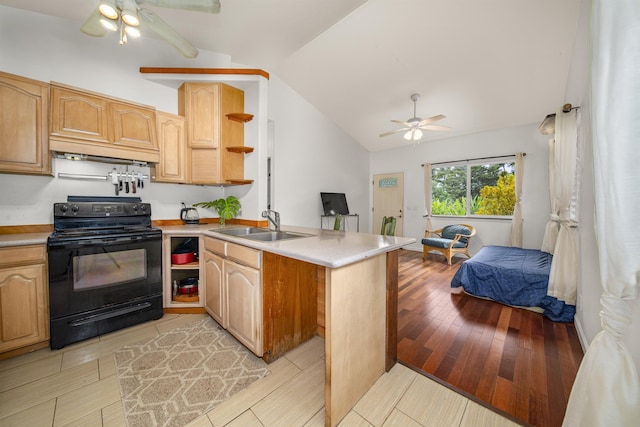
{"points": [[417, 135], [130, 13], [108, 8], [109, 24], [407, 135], [132, 31]]}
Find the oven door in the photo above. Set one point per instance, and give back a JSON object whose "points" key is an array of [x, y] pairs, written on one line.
{"points": [[97, 272]]}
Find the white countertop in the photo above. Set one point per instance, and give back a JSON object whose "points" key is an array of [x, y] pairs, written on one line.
{"points": [[7, 240], [329, 248]]}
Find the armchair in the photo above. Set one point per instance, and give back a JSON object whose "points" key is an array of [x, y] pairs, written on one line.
{"points": [[449, 240]]}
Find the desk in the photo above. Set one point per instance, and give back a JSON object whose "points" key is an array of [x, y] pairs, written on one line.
{"points": [[343, 223]]}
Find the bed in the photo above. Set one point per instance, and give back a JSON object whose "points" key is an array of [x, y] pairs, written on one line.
{"points": [[513, 276]]}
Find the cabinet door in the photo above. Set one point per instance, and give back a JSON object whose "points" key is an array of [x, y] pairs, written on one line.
{"points": [[78, 116], [244, 302], [133, 126], [214, 290], [24, 133], [24, 315], [200, 103], [204, 166], [171, 140]]}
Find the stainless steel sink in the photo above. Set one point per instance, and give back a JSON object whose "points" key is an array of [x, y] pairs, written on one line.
{"points": [[261, 234], [273, 236], [242, 231]]}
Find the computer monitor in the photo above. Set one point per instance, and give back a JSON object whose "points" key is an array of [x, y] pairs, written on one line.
{"points": [[334, 203]]}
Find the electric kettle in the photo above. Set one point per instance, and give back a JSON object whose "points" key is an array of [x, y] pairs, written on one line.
{"points": [[189, 215]]}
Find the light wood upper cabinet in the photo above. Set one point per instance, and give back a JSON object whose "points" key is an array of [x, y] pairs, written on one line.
{"points": [[201, 103], [90, 123], [24, 116], [211, 135], [133, 126], [24, 300], [79, 116], [171, 140]]}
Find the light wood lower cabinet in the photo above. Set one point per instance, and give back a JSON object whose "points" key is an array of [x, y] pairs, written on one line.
{"points": [[233, 290], [24, 300], [244, 304], [214, 294], [24, 132]]}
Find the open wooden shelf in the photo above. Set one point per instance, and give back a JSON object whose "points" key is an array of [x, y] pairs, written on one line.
{"points": [[187, 266], [186, 298], [240, 117], [240, 149], [240, 181]]}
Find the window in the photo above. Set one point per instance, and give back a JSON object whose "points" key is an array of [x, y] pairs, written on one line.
{"points": [[478, 188]]}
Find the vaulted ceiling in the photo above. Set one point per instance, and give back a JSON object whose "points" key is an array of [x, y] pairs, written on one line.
{"points": [[484, 64]]}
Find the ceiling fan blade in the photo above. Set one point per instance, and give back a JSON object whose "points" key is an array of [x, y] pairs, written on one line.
{"points": [[209, 6], [400, 122], [431, 120], [435, 127], [392, 132], [153, 21], [92, 25]]}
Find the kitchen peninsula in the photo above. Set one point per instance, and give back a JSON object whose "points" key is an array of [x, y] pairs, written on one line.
{"points": [[351, 281]]}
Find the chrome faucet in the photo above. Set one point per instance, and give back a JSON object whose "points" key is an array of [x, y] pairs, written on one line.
{"points": [[275, 220]]}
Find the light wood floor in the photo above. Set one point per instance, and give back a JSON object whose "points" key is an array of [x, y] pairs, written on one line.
{"points": [[518, 361], [77, 386]]}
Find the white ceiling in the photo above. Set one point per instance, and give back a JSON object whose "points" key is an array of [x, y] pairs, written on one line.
{"points": [[484, 64]]}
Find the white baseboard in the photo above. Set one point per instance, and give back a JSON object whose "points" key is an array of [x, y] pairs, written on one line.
{"points": [[581, 336]]}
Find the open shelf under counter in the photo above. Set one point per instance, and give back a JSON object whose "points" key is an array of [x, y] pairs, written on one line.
{"points": [[180, 303]]}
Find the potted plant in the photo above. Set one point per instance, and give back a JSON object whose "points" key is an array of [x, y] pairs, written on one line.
{"points": [[227, 208]]}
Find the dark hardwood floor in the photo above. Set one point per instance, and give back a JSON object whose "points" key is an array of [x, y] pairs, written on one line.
{"points": [[513, 359]]}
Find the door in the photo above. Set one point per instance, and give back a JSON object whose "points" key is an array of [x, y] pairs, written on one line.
{"points": [[388, 200]]}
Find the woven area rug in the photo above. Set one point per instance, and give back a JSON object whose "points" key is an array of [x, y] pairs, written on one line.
{"points": [[174, 377]]}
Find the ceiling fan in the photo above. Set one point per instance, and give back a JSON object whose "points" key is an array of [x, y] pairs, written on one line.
{"points": [[415, 125], [127, 15]]}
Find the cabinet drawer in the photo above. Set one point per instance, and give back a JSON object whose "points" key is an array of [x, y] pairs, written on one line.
{"points": [[216, 246], [23, 255], [244, 255]]}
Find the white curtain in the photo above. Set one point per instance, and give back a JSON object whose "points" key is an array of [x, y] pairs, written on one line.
{"points": [[427, 193], [563, 278], [516, 222], [551, 230], [606, 391]]}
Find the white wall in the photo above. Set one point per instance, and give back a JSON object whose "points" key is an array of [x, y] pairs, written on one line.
{"points": [[535, 199], [308, 146], [312, 155]]}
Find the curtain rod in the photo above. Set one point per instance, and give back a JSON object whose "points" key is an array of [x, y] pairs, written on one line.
{"points": [[477, 158]]}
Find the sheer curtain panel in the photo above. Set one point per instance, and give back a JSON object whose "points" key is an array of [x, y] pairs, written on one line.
{"points": [[606, 391], [563, 278], [516, 221], [427, 193], [551, 230]]}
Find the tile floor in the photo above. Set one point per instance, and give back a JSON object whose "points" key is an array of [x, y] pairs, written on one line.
{"points": [[77, 386]]}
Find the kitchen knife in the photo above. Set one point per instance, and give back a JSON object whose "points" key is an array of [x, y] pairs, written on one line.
{"points": [[126, 182], [114, 180]]}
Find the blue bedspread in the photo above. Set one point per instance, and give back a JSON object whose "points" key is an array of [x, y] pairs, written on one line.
{"points": [[512, 276]]}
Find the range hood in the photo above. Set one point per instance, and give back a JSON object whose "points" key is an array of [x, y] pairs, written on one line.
{"points": [[101, 159]]}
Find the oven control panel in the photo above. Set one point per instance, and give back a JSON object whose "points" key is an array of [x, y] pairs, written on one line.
{"points": [[100, 210]]}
